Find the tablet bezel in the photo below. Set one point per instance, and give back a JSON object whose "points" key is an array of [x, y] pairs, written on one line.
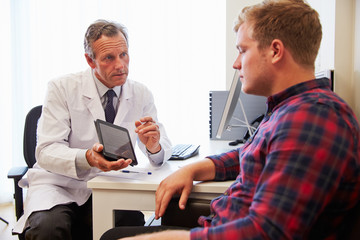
{"points": [[108, 155]]}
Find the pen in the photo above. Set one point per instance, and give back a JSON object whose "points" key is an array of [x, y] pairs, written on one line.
{"points": [[129, 171]]}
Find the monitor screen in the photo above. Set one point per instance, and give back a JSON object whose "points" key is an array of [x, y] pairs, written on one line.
{"points": [[242, 112], [230, 104]]}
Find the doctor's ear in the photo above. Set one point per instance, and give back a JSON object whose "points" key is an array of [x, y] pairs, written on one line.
{"points": [[90, 61], [277, 50]]}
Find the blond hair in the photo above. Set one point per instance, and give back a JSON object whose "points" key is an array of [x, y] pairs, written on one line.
{"points": [[293, 22]]}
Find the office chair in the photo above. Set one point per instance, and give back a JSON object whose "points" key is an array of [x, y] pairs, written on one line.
{"points": [[29, 145]]}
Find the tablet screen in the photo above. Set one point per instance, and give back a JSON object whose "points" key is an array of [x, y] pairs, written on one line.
{"points": [[116, 141]]}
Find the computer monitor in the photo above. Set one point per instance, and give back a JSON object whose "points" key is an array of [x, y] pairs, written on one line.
{"points": [[246, 116], [255, 105], [230, 105]]}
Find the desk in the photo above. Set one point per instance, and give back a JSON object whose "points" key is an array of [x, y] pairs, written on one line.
{"points": [[136, 191]]}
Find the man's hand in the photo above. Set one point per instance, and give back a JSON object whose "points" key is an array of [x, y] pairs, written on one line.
{"points": [[149, 134], [96, 159], [179, 183], [163, 235]]}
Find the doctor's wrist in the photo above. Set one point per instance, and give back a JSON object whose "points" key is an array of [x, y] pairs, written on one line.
{"points": [[154, 150]]}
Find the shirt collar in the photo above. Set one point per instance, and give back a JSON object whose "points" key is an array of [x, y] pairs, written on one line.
{"points": [[102, 89], [302, 87]]}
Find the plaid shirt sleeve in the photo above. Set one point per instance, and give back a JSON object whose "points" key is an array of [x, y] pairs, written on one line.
{"points": [[302, 161], [227, 165]]}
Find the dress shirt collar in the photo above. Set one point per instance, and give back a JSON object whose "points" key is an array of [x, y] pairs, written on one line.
{"points": [[102, 89]]}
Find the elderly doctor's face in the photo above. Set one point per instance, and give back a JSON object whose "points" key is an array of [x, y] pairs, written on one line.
{"points": [[111, 61]]}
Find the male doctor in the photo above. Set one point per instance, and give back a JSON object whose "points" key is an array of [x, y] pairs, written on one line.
{"points": [[58, 203]]}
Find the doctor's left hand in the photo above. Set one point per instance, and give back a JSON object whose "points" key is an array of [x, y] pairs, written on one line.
{"points": [[149, 134], [96, 159]]}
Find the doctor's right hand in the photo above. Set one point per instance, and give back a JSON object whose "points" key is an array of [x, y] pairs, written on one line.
{"points": [[96, 159]]}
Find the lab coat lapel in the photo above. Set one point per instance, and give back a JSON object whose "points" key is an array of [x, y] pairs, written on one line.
{"points": [[91, 98], [125, 104]]}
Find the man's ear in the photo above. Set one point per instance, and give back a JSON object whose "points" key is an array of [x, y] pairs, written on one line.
{"points": [[277, 48], [90, 61]]}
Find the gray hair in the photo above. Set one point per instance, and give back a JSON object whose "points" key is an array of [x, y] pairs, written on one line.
{"points": [[102, 27]]}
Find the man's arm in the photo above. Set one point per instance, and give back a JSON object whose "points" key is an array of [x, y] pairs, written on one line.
{"points": [[181, 182], [297, 181], [164, 235]]}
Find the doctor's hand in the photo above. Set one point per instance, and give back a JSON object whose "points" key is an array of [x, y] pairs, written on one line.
{"points": [[149, 134], [96, 159]]}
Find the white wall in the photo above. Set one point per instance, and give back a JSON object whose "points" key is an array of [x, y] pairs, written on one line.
{"points": [[357, 59], [347, 52], [5, 99], [344, 49], [326, 10]]}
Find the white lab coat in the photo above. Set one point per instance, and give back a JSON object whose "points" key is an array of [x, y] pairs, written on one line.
{"points": [[66, 127]]}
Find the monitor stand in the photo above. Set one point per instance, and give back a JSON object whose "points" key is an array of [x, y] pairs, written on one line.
{"points": [[255, 123]]}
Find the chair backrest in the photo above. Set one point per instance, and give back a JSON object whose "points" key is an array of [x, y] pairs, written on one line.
{"points": [[29, 146]]}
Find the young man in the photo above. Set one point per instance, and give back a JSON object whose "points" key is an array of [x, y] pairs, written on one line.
{"points": [[58, 204], [298, 177]]}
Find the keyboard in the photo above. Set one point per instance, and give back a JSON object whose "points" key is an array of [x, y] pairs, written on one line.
{"points": [[184, 151]]}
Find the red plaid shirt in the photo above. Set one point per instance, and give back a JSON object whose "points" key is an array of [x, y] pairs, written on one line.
{"points": [[297, 177]]}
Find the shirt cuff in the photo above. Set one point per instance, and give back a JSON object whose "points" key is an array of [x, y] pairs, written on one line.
{"points": [[156, 158], [82, 165]]}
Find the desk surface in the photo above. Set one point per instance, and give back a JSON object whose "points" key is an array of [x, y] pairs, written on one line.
{"points": [[143, 181], [136, 191]]}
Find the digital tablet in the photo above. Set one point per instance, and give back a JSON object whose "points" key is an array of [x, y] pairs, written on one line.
{"points": [[116, 141]]}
